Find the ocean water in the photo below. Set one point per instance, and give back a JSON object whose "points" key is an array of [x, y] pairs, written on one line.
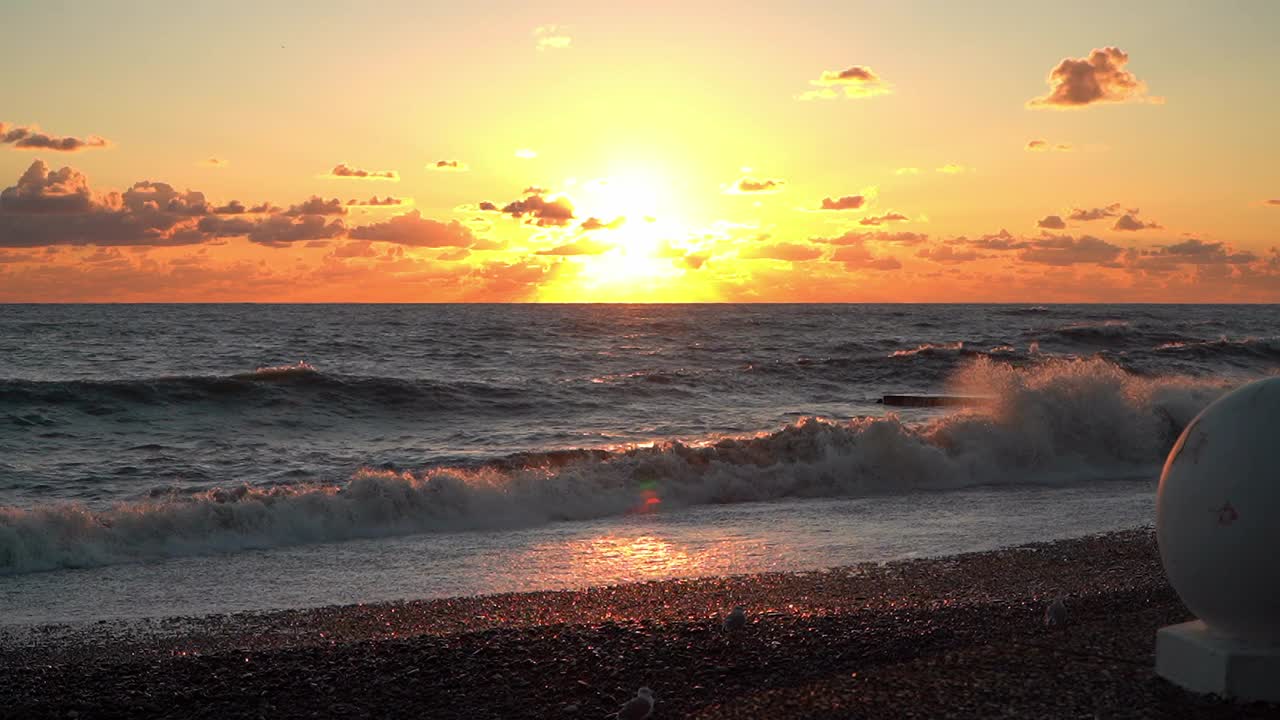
{"points": [[176, 459]]}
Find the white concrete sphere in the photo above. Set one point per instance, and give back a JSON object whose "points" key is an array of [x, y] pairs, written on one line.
{"points": [[1218, 514]]}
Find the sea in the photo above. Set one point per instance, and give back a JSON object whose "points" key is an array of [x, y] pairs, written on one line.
{"points": [[163, 460]]}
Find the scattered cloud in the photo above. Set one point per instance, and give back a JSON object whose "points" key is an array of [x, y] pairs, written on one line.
{"points": [[375, 201], [889, 217], [954, 169], [1098, 78], [848, 202], [30, 137], [552, 37], [541, 211], [316, 205], [1046, 146], [1051, 222], [792, 252], [858, 257], [414, 230], [1091, 214], [857, 237], [342, 170], [855, 82], [585, 246], [752, 186], [1131, 223], [1164, 258], [948, 255], [594, 223], [448, 166], [1065, 250]]}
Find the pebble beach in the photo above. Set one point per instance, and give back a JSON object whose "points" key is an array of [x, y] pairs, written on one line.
{"points": [[953, 637]]}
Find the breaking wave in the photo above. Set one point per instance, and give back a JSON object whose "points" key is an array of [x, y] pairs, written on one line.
{"points": [[1057, 422]]}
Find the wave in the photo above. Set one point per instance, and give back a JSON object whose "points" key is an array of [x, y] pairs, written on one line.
{"points": [[1060, 421], [268, 387]]}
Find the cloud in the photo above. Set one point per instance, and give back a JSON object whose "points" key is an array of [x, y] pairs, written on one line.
{"points": [[357, 249], [856, 82], [1099, 78], [375, 201], [274, 230], [1066, 250], [1051, 222], [235, 207], [593, 223], [316, 205], [552, 37], [752, 186], [1001, 241], [954, 169], [857, 257], [526, 154], [487, 206], [542, 212], [1272, 202], [30, 137], [792, 252], [216, 162], [848, 202], [948, 255], [1090, 214], [40, 190], [856, 237], [907, 171], [584, 246], [448, 166], [342, 170], [414, 230], [1046, 146], [889, 217], [1129, 222], [1188, 252]]}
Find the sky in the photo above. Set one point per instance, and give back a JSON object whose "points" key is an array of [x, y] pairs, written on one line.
{"points": [[661, 152]]}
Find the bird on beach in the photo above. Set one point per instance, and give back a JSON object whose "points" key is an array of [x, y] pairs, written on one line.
{"points": [[736, 620], [639, 707], [1055, 615]]}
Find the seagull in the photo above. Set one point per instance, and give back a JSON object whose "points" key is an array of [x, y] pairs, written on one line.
{"points": [[1056, 614], [736, 619], [639, 707]]}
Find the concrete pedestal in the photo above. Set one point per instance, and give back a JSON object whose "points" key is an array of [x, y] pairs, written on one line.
{"points": [[1200, 660]]}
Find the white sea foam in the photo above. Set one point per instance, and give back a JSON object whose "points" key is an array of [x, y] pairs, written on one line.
{"points": [[1059, 422]]}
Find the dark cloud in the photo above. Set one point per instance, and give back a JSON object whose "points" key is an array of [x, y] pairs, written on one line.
{"points": [[998, 242], [1051, 222], [355, 249], [414, 230], [375, 201], [487, 206], [282, 230], [1129, 222], [448, 166], [1066, 250], [1273, 202], [855, 255], [793, 252], [542, 212], [584, 246], [1090, 214], [265, 207], [855, 237], [889, 217], [948, 255], [1046, 146], [848, 202], [1099, 78], [1188, 252], [342, 170], [235, 207], [40, 190], [316, 205], [752, 186], [29, 137], [594, 223]]}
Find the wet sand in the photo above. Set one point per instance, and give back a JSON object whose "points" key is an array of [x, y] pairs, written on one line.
{"points": [[957, 637]]}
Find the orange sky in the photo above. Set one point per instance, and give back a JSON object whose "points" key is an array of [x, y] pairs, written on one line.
{"points": [[695, 151]]}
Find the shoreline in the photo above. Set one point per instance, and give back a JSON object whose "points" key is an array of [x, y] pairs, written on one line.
{"points": [[958, 636]]}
